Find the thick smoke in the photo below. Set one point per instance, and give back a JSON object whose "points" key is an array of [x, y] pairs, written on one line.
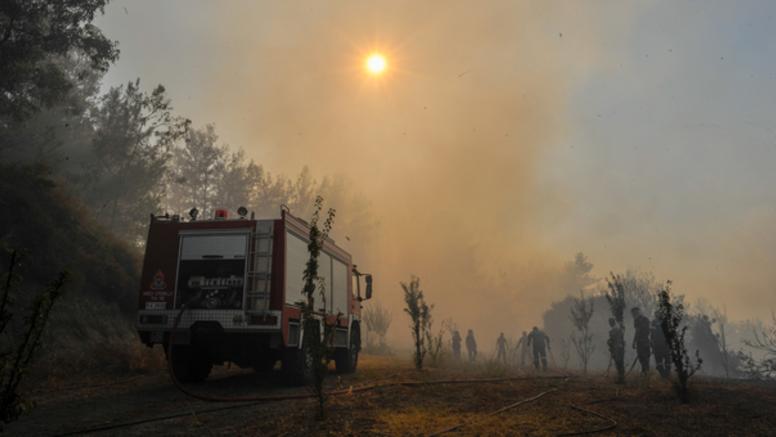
{"points": [[504, 138], [445, 145]]}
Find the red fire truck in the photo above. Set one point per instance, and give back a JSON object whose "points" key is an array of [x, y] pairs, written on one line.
{"points": [[241, 283]]}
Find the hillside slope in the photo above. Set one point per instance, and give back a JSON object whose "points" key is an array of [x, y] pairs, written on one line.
{"points": [[92, 324]]}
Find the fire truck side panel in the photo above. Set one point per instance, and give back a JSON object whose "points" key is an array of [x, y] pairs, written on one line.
{"points": [[295, 240], [278, 268]]}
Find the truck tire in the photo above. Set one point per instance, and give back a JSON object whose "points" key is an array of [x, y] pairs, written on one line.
{"points": [[190, 364], [346, 359], [298, 365], [264, 365]]}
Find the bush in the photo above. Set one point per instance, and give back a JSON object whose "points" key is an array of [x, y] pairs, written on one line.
{"points": [[314, 346], [420, 318], [377, 320], [764, 341], [581, 313], [22, 337], [672, 316]]}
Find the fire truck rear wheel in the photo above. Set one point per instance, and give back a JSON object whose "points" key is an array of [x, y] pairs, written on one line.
{"points": [[347, 359], [264, 365], [298, 365], [190, 364]]}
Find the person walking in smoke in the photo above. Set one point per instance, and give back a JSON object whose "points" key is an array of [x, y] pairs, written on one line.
{"points": [[660, 348], [501, 347], [539, 340], [522, 348], [641, 338], [471, 346], [616, 343], [456, 338]]}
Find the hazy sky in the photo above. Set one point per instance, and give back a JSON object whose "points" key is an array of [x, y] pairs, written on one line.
{"points": [[505, 137]]}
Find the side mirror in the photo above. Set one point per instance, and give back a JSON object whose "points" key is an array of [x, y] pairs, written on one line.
{"points": [[368, 280]]}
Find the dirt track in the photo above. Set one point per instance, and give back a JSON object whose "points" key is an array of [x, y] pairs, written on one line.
{"points": [[720, 408]]}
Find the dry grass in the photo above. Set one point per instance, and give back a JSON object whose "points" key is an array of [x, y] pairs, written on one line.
{"points": [[86, 338], [639, 408], [643, 408]]}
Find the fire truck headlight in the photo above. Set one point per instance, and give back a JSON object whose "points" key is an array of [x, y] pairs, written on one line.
{"points": [[242, 211]]}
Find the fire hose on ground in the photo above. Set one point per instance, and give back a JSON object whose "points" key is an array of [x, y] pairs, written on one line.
{"points": [[259, 399], [247, 401], [209, 398]]}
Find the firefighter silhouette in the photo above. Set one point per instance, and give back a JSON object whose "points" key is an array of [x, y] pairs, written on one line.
{"points": [[641, 340], [541, 343], [471, 346], [660, 348], [520, 350], [616, 345], [456, 345], [501, 348]]}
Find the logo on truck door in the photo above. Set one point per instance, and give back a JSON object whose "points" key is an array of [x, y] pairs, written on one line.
{"points": [[158, 282], [157, 294], [215, 283]]}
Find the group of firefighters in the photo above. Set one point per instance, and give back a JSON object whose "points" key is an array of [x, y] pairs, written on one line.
{"points": [[537, 340], [648, 340]]}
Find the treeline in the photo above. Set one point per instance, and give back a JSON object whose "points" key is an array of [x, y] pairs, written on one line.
{"points": [[125, 152]]}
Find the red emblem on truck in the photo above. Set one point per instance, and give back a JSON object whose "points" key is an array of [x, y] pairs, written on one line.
{"points": [[158, 282]]}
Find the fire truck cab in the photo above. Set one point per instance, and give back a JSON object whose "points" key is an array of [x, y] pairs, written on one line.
{"points": [[241, 283]]}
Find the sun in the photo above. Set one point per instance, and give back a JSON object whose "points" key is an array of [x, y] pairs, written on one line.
{"points": [[376, 64]]}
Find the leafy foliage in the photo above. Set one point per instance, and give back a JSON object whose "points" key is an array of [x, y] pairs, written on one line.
{"points": [[316, 346], [377, 319], [758, 369], [576, 274], [420, 317], [615, 296], [672, 316], [133, 140], [197, 169], [435, 341], [581, 313], [17, 354], [33, 35], [763, 340], [57, 135], [640, 290]]}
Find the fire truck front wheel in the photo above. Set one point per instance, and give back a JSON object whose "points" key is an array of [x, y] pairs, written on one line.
{"points": [[189, 364]]}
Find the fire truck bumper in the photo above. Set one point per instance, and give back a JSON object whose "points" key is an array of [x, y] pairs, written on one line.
{"points": [[154, 327]]}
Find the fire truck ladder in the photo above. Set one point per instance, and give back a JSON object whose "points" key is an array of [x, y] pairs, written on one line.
{"points": [[260, 268]]}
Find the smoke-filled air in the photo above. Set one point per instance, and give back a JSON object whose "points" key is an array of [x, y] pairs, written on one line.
{"points": [[481, 152], [443, 188]]}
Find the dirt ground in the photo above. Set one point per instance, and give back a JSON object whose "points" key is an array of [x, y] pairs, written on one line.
{"points": [[149, 404]]}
